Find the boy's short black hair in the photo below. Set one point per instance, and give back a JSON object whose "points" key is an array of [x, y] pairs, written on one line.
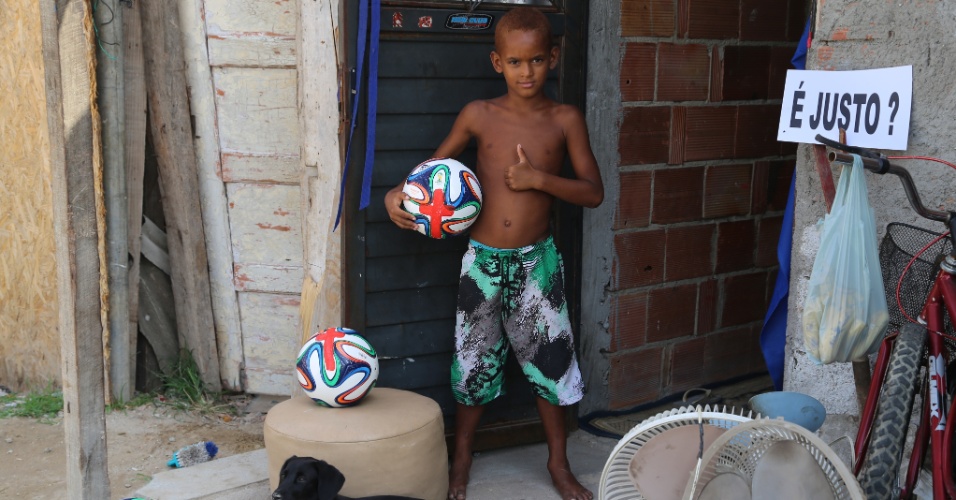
{"points": [[523, 19]]}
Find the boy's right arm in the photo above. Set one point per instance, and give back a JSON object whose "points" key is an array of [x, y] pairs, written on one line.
{"points": [[452, 146]]}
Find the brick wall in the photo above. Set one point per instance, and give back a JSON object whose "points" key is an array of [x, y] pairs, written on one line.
{"points": [[703, 186]]}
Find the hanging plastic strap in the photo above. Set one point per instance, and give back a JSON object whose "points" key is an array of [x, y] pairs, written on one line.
{"points": [[363, 28]]}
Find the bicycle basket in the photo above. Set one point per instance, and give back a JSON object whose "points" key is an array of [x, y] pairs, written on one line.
{"points": [[899, 245]]}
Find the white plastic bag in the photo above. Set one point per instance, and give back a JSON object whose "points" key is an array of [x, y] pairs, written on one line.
{"points": [[845, 313]]}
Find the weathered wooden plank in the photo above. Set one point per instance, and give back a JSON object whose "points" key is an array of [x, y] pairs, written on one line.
{"points": [[387, 308], [420, 371], [171, 132], [251, 51], [441, 394], [263, 278], [157, 315], [270, 340], [266, 226], [419, 58], [413, 338], [225, 307], [439, 95], [273, 18], [135, 149], [416, 271], [399, 132], [257, 110], [384, 239], [243, 167], [67, 44]]}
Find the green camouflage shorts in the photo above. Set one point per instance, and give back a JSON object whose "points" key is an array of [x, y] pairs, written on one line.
{"points": [[514, 298]]}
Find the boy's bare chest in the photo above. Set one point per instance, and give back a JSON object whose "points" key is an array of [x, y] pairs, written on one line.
{"points": [[543, 143]]}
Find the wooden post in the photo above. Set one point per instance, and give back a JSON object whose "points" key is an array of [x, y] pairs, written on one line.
{"points": [[321, 124], [171, 130], [110, 100], [67, 46]]}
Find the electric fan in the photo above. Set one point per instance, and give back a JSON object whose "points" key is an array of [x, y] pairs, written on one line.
{"points": [[661, 452], [774, 459]]}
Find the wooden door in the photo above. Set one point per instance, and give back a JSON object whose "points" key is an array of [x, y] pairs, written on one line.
{"points": [[401, 287]]}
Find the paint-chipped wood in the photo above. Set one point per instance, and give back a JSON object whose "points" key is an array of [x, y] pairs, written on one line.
{"points": [[243, 167], [271, 18], [263, 278], [266, 228], [225, 307], [270, 340], [321, 124], [251, 51], [257, 110]]}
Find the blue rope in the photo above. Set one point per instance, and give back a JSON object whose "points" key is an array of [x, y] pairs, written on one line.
{"points": [[363, 32], [372, 104]]}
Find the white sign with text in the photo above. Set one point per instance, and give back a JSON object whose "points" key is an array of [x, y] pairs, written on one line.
{"points": [[872, 105]]}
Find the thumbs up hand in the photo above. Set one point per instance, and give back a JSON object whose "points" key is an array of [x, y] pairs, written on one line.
{"points": [[521, 176]]}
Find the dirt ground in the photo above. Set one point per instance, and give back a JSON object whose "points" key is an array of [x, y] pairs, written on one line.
{"points": [[139, 443]]}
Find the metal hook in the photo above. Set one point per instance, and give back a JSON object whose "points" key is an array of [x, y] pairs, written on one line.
{"points": [[472, 4]]}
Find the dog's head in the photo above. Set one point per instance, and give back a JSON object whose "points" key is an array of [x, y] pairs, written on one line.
{"points": [[307, 478]]}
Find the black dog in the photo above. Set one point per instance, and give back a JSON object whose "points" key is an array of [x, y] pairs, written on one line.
{"points": [[307, 478]]}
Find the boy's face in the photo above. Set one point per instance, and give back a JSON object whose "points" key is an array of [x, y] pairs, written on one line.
{"points": [[524, 58]]}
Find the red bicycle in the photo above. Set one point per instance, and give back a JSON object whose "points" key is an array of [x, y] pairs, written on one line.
{"points": [[926, 301]]}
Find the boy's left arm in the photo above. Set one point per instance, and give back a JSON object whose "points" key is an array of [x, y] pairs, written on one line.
{"points": [[586, 189]]}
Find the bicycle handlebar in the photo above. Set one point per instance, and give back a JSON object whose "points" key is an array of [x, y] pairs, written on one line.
{"points": [[878, 163]]}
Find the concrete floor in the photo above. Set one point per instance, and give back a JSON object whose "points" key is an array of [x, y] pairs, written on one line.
{"points": [[519, 473], [516, 473]]}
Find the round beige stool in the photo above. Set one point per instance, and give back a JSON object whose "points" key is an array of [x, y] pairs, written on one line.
{"points": [[391, 443]]}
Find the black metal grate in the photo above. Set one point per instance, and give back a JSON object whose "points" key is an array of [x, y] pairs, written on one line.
{"points": [[897, 249]]}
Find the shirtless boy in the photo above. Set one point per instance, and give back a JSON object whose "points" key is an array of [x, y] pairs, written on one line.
{"points": [[512, 276]]}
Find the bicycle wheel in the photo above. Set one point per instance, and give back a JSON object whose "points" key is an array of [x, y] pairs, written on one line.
{"points": [[882, 463]]}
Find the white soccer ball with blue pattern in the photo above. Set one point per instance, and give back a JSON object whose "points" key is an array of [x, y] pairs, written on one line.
{"points": [[444, 196], [337, 367]]}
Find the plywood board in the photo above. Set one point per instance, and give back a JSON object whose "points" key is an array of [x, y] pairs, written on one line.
{"points": [[266, 227], [270, 340], [257, 110], [29, 344]]}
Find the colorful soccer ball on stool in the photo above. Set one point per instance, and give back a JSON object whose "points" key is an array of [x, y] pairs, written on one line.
{"points": [[445, 197], [337, 367]]}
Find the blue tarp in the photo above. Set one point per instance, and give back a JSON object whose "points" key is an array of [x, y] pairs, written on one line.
{"points": [[773, 336]]}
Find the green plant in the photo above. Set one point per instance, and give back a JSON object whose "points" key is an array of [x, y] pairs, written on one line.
{"points": [[43, 404], [184, 388], [139, 399]]}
